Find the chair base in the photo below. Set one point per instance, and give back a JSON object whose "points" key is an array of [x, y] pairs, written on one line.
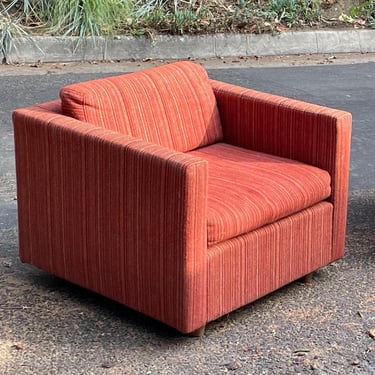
{"points": [[198, 332], [307, 279]]}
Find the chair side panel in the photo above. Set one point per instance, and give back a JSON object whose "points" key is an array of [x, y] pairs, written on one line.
{"points": [[114, 214], [294, 129]]}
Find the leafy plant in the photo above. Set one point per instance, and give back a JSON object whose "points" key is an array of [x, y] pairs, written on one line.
{"points": [[184, 20], [291, 12], [173, 16], [311, 10], [366, 11]]}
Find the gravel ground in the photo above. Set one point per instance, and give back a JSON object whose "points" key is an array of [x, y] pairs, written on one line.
{"points": [[49, 326]]}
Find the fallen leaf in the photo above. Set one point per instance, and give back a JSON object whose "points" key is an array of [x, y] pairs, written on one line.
{"points": [[18, 346], [280, 28], [371, 333], [235, 365], [313, 366], [355, 362], [37, 64], [253, 27], [108, 365]]}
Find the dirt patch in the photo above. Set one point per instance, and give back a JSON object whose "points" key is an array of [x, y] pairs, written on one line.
{"points": [[335, 8]]}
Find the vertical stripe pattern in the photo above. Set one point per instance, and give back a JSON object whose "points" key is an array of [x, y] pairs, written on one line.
{"points": [[172, 105], [248, 267], [115, 214], [107, 200], [309, 133], [249, 189]]}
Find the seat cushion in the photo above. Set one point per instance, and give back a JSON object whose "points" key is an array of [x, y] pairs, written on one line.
{"points": [[171, 105], [248, 189]]}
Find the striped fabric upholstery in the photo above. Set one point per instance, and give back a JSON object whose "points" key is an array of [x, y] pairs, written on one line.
{"points": [[248, 189], [114, 214], [310, 133], [183, 237], [248, 267], [172, 105]]}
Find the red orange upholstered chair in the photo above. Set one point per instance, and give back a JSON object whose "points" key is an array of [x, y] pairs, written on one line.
{"points": [[179, 196]]}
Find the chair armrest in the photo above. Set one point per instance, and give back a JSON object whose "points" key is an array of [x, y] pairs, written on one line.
{"points": [[312, 134], [113, 213]]}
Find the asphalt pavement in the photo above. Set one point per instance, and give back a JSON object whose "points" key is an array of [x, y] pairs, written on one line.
{"points": [[49, 326]]}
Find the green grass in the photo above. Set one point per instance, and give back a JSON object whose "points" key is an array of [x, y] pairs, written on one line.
{"points": [[85, 17]]}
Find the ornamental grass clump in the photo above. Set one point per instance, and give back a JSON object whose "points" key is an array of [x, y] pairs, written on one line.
{"points": [[85, 17], [13, 20], [82, 18]]}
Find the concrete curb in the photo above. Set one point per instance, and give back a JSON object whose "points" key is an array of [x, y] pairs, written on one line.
{"points": [[66, 49]]}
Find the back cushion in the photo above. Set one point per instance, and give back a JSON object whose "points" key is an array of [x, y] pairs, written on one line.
{"points": [[172, 105]]}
